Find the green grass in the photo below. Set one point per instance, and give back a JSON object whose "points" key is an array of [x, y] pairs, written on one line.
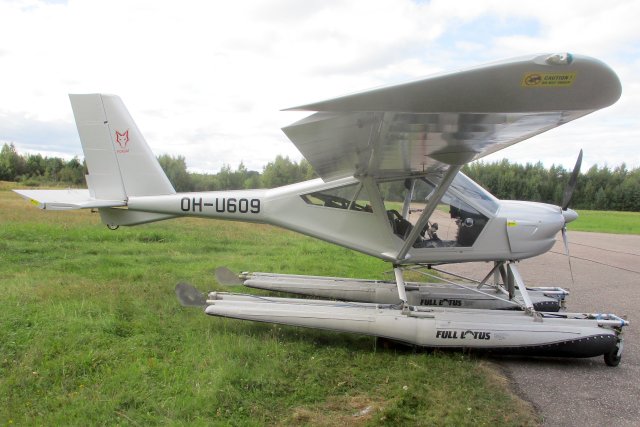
{"points": [[91, 334], [607, 222]]}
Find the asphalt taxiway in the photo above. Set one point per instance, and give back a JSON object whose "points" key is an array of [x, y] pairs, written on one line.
{"points": [[606, 279]]}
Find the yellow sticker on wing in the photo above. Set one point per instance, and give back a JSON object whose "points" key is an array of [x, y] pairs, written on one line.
{"points": [[511, 223], [34, 202], [548, 79]]}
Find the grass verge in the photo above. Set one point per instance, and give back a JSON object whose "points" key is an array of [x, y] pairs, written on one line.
{"points": [[91, 334], [607, 222]]}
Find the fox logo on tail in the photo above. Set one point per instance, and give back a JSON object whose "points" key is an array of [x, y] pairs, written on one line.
{"points": [[122, 138]]}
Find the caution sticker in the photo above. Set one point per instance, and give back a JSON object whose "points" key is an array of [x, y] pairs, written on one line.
{"points": [[548, 79], [511, 223]]}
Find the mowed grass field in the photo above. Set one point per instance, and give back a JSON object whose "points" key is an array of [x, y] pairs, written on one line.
{"points": [[91, 334], [607, 222]]}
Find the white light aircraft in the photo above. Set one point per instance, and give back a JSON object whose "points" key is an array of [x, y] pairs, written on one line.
{"points": [[390, 186]]}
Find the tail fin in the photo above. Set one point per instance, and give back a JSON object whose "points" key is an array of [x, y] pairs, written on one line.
{"points": [[120, 164], [119, 160]]}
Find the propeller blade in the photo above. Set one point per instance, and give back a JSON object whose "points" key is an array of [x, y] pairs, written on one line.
{"points": [[571, 185], [189, 296], [566, 250]]}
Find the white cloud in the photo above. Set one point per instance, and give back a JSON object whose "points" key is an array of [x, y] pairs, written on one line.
{"points": [[207, 79]]}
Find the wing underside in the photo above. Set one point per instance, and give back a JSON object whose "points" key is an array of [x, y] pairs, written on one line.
{"points": [[452, 119]]}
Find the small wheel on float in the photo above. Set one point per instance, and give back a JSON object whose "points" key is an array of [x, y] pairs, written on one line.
{"points": [[613, 357]]}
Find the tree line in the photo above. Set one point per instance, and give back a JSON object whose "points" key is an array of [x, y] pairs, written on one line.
{"points": [[37, 170], [281, 171], [599, 188]]}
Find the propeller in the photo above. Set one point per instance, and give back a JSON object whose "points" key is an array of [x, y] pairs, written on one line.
{"points": [[569, 214], [571, 185], [566, 249]]}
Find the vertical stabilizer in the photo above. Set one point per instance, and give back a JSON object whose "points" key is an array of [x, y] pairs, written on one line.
{"points": [[119, 160]]}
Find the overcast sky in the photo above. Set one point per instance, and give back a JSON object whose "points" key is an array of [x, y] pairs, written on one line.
{"points": [[207, 80]]}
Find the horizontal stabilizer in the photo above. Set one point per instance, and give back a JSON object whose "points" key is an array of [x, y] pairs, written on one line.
{"points": [[61, 200]]}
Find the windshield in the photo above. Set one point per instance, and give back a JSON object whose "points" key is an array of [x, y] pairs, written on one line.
{"points": [[471, 190]]}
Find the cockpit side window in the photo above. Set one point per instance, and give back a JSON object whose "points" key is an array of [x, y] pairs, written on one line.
{"points": [[351, 197], [454, 223]]}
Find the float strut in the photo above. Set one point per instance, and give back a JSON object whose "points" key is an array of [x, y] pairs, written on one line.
{"points": [[402, 292], [494, 272], [514, 275]]}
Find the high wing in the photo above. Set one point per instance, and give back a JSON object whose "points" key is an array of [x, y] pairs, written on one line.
{"points": [[450, 119]]}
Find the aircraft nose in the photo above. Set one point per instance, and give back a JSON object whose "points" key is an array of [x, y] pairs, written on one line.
{"points": [[569, 215]]}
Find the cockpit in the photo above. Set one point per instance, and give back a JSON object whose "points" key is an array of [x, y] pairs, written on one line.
{"points": [[457, 220]]}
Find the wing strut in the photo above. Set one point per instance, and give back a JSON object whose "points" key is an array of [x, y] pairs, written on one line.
{"points": [[434, 199]]}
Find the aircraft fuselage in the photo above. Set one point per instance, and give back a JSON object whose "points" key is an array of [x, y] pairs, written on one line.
{"points": [[516, 230]]}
